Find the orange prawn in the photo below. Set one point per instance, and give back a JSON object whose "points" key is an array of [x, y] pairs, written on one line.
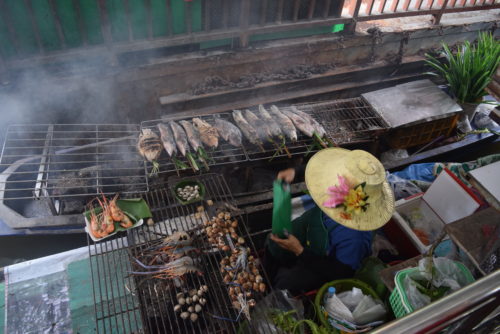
{"points": [[107, 220], [95, 224]]}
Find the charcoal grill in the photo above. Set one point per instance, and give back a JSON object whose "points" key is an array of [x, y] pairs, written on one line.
{"points": [[148, 304], [347, 121]]}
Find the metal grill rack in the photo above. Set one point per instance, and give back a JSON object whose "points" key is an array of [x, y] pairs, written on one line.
{"points": [[157, 297], [347, 121], [228, 154], [70, 160]]}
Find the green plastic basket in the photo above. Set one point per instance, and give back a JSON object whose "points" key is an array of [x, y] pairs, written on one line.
{"points": [[340, 286], [399, 301]]}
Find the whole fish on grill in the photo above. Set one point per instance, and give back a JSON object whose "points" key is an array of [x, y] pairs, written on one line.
{"points": [[208, 134], [259, 125], [180, 137], [273, 126], [149, 146], [318, 128], [285, 123], [248, 131], [167, 139], [228, 131], [192, 135], [300, 123]]}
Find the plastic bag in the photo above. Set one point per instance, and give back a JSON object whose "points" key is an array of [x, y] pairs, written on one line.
{"points": [[402, 188], [352, 298], [393, 155], [282, 208], [368, 311], [264, 316], [445, 274]]}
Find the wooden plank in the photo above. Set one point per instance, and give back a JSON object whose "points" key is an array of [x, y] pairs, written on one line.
{"points": [[81, 25], [296, 7], [312, 6], [263, 12], [130, 33], [206, 4], [326, 10], [279, 11], [10, 27], [225, 13], [34, 25], [244, 21], [188, 18], [104, 22], [57, 22], [169, 18], [149, 18]]}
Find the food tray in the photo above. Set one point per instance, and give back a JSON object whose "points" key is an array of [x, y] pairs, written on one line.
{"points": [[184, 183]]}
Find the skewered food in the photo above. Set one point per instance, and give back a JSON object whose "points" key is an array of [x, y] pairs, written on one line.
{"points": [[249, 132], [229, 132], [150, 147], [285, 123], [192, 135], [259, 125], [318, 128], [300, 123], [167, 139], [273, 126], [180, 137], [208, 134]]}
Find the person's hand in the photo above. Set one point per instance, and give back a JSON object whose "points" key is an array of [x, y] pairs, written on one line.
{"points": [[287, 175], [291, 243]]}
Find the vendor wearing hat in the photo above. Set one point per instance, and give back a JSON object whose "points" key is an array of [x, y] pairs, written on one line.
{"points": [[329, 241]]}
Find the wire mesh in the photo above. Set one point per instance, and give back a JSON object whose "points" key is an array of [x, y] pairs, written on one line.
{"points": [[157, 297], [347, 121], [70, 160]]}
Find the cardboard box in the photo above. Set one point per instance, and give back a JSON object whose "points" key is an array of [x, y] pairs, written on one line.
{"points": [[424, 216]]}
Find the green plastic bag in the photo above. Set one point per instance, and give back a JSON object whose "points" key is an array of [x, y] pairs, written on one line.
{"points": [[282, 208]]}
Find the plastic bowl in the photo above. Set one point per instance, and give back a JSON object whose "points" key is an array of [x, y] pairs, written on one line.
{"points": [[184, 183]]}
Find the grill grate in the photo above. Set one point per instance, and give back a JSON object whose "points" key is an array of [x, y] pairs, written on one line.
{"points": [[70, 160], [228, 154], [347, 121], [157, 297]]}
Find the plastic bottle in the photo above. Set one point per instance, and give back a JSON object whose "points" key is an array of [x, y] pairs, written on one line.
{"points": [[334, 306]]}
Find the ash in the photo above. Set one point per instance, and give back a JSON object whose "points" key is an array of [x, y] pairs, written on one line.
{"points": [[215, 83]]}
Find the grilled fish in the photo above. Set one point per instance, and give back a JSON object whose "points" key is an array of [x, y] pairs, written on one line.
{"points": [[259, 125], [318, 128], [149, 145], [167, 139], [192, 135], [180, 137], [285, 123], [273, 126], [248, 131], [208, 134], [228, 131], [303, 125]]}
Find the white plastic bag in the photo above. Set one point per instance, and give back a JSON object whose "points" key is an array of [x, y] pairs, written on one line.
{"points": [[368, 310], [352, 298]]}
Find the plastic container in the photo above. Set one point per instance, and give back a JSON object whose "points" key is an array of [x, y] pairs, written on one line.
{"points": [[399, 301], [192, 183], [340, 286]]}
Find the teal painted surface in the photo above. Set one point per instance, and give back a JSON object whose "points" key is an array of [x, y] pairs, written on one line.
{"points": [[18, 14]]}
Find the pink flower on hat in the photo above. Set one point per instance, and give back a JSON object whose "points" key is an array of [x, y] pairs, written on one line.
{"points": [[337, 193]]}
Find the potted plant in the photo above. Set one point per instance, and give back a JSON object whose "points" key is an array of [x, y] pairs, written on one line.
{"points": [[469, 70]]}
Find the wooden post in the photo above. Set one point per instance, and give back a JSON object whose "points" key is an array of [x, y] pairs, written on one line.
{"points": [[350, 28], [437, 17], [106, 31], [244, 19]]}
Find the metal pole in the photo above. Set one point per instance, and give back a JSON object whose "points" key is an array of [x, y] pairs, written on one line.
{"points": [[244, 17]]}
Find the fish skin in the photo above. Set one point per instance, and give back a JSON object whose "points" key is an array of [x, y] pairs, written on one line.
{"points": [[274, 127], [285, 123], [259, 125], [208, 134], [149, 145], [180, 137], [192, 135], [248, 131], [167, 139], [318, 128], [229, 132], [303, 125]]}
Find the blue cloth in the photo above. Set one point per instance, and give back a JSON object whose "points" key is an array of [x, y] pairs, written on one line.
{"points": [[350, 246], [419, 172]]}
